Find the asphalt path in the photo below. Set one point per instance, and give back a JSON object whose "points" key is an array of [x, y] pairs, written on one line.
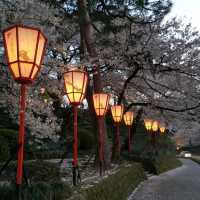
{"points": [[182, 183]]}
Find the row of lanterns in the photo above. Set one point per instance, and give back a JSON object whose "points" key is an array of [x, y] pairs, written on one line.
{"points": [[75, 82], [24, 48], [153, 125]]}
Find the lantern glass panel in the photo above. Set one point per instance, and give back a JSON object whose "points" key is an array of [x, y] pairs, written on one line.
{"points": [[25, 69], [128, 118], [11, 43], [100, 103], [41, 44], [34, 73], [117, 113], [15, 69], [155, 126], [27, 44]]}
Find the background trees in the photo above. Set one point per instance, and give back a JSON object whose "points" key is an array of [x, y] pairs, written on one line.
{"points": [[128, 50]]}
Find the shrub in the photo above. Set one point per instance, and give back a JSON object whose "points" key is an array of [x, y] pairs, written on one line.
{"points": [[36, 171], [38, 191], [165, 163], [115, 187], [8, 141]]}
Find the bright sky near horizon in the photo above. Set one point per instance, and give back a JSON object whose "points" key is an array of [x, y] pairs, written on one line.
{"points": [[189, 10]]}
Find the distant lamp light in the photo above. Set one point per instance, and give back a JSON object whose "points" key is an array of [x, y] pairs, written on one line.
{"points": [[155, 126], [148, 124], [128, 118], [162, 129], [101, 103], [117, 113], [75, 82]]}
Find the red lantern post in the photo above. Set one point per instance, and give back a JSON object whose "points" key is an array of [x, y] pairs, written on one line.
{"points": [[128, 120], [101, 103], [155, 128], [24, 47], [75, 82], [117, 114]]}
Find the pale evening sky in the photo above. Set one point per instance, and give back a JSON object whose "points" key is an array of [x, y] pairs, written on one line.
{"points": [[187, 9]]}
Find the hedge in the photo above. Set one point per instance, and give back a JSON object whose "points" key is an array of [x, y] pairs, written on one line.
{"points": [[38, 191], [158, 164], [164, 163], [117, 186], [36, 171]]}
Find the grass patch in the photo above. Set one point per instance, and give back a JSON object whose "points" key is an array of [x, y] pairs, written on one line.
{"points": [[116, 186], [197, 160], [166, 163]]}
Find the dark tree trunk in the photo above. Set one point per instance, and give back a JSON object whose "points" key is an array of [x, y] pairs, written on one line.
{"points": [[88, 46]]}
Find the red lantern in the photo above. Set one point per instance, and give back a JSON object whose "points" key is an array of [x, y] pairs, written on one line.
{"points": [[148, 124], [162, 129], [155, 126], [101, 102], [24, 48], [75, 85], [117, 114], [75, 82], [128, 119]]}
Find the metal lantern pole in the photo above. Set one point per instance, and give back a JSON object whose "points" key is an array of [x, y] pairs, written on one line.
{"points": [[101, 148], [21, 135], [129, 139], [75, 147], [155, 127], [118, 140]]}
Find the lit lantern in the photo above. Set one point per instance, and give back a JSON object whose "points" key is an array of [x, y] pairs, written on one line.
{"points": [[148, 124], [24, 48], [155, 126], [75, 82], [101, 103], [117, 113], [162, 129], [128, 119]]}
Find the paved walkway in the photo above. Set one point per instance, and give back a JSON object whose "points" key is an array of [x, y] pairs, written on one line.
{"points": [[182, 183]]}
